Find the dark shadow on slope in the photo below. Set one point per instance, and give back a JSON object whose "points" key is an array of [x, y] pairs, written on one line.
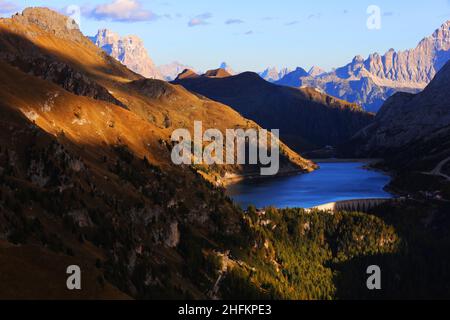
{"points": [[421, 267]]}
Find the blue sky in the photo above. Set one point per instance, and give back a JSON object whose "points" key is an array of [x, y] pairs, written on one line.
{"points": [[253, 34]]}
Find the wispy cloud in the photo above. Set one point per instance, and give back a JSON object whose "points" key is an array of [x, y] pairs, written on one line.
{"points": [[8, 6], [292, 23], [234, 21], [314, 16], [200, 20], [122, 11], [248, 33]]}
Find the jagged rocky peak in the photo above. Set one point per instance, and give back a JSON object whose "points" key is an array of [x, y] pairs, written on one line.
{"points": [[442, 33], [272, 74], [129, 50], [358, 59], [316, 71], [105, 37], [50, 21]]}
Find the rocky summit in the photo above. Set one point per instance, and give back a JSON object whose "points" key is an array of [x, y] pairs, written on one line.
{"points": [[129, 50]]}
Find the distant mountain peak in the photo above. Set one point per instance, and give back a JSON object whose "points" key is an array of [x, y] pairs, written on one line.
{"points": [[171, 70], [293, 79], [227, 68], [129, 50], [316, 71], [369, 82], [358, 59], [217, 73], [272, 74]]}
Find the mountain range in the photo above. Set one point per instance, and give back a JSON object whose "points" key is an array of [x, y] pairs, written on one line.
{"points": [[369, 82]]}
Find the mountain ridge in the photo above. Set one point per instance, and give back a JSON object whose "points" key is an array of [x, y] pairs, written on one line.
{"points": [[369, 82], [301, 114]]}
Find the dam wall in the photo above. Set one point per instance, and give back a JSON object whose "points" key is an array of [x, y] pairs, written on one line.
{"points": [[361, 205]]}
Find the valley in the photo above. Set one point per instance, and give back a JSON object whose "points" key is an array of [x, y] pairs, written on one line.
{"points": [[151, 178]]}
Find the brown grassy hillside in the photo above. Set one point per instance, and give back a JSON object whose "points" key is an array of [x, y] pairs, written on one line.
{"points": [[86, 176]]}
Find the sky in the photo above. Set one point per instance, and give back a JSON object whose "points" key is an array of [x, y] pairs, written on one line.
{"points": [[254, 34]]}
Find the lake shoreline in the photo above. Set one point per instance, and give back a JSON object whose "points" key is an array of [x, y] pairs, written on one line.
{"points": [[335, 180]]}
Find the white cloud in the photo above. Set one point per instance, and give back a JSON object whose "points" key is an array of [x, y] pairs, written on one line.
{"points": [[122, 11]]}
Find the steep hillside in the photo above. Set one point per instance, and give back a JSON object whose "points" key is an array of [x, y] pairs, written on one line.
{"points": [[86, 175], [307, 119], [73, 62], [412, 130]]}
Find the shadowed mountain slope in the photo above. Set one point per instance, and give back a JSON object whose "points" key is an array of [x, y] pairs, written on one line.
{"points": [[412, 131], [307, 119]]}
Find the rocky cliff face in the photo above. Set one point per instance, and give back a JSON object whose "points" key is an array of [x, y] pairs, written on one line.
{"points": [[129, 50], [371, 81], [415, 67]]}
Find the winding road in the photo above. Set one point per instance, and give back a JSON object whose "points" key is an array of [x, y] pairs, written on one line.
{"points": [[438, 170]]}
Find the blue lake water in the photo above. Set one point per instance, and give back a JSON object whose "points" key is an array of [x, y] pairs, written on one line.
{"points": [[332, 182]]}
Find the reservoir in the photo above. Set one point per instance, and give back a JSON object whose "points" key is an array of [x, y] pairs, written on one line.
{"points": [[334, 181]]}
